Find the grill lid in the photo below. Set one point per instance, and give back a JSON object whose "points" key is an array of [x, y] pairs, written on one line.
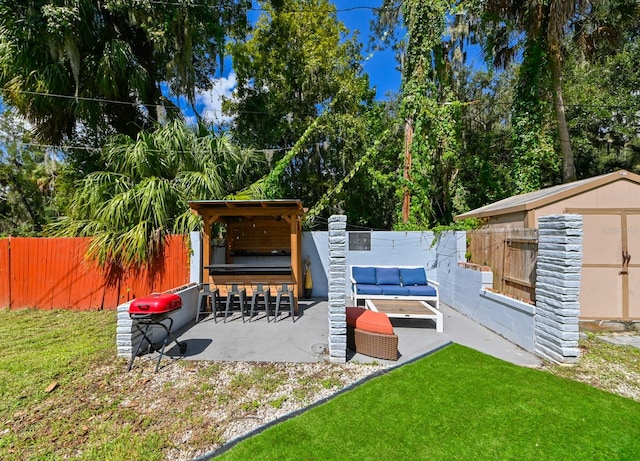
{"points": [[156, 303]]}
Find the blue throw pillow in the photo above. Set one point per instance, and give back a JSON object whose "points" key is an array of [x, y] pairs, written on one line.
{"points": [[387, 276], [364, 275], [414, 276]]}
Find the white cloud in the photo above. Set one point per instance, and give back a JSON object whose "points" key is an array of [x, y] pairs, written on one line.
{"points": [[209, 104]]}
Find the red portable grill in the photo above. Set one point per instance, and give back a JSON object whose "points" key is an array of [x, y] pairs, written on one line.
{"points": [[154, 310]]}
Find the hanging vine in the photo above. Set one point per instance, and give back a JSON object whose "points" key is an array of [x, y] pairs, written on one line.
{"points": [[432, 114], [534, 157]]}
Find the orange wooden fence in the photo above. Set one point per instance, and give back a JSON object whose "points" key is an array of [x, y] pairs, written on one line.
{"points": [[53, 273]]}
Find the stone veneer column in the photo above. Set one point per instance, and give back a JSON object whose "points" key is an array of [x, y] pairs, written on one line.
{"points": [[558, 273], [126, 333], [337, 287]]}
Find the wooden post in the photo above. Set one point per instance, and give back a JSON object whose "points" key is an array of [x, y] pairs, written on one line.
{"points": [[296, 257], [206, 247]]}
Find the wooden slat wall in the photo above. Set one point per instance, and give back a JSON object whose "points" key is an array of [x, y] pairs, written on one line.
{"points": [[260, 235], [511, 254], [4, 271], [52, 273]]}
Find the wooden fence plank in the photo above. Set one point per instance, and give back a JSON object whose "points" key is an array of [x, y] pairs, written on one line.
{"points": [[53, 273], [5, 285], [511, 254]]}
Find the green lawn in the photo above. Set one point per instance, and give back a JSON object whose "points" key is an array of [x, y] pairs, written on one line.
{"points": [[43, 347], [458, 404]]}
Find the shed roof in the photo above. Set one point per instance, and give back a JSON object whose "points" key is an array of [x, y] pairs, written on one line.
{"points": [[542, 197], [248, 207]]}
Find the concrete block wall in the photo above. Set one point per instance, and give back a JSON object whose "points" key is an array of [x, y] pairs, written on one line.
{"points": [[468, 291], [396, 248], [128, 335], [337, 295], [558, 273], [408, 248]]}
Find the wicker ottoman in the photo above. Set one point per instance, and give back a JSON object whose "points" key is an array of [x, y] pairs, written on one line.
{"points": [[371, 333]]}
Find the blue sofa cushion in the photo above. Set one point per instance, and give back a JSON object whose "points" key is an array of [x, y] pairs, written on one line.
{"points": [[388, 276], [422, 290], [394, 290], [413, 276], [368, 289], [364, 275]]}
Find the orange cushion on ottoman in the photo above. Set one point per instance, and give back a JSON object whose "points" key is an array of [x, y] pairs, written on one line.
{"points": [[364, 319]]}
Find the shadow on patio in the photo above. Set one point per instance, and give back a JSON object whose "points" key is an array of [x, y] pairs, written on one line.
{"points": [[306, 339]]}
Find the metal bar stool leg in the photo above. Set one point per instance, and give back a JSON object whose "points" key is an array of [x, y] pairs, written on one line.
{"points": [[242, 294], [226, 311], [260, 290], [207, 295], [285, 290], [232, 292]]}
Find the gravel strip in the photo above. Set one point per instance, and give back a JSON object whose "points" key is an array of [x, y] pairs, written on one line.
{"points": [[231, 398]]}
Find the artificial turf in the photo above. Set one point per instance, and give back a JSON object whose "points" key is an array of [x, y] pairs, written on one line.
{"points": [[457, 404]]}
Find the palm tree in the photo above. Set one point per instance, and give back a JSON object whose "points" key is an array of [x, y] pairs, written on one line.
{"points": [[546, 23], [76, 65], [142, 196]]}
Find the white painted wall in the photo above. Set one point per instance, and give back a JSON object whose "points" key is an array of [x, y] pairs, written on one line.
{"points": [[466, 290], [460, 288]]}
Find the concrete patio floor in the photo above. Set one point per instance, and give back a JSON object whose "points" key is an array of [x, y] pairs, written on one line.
{"points": [[306, 339]]}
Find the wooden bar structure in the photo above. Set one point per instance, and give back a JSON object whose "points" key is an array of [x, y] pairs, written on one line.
{"points": [[246, 274], [260, 229]]}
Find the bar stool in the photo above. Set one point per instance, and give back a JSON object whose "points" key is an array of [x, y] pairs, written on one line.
{"points": [[207, 297], [233, 291], [258, 290], [285, 290]]}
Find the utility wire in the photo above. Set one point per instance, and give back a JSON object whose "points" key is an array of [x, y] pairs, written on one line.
{"points": [[138, 104], [98, 149], [301, 10], [220, 111]]}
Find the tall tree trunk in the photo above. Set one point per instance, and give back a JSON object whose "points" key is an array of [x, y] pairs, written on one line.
{"points": [[35, 218], [568, 166], [408, 140]]}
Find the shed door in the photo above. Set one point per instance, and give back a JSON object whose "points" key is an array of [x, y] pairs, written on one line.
{"points": [[610, 265], [633, 264]]}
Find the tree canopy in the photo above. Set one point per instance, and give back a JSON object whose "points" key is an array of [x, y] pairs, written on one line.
{"points": [[142, 194], [96, 78], [76, 65], [27, 173], [303, 99]]}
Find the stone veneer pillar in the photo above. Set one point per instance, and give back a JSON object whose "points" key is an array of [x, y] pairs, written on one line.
{"points": [[558, 272], [126, 333], [337, 284]]}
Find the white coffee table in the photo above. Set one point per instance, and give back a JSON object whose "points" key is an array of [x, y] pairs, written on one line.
{"points": [[402, 309]]}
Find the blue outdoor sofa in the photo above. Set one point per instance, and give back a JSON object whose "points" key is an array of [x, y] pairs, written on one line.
{"points": [[393, 282]]}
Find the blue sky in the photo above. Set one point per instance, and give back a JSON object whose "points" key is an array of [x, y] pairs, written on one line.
{"points": [[381, 66]]}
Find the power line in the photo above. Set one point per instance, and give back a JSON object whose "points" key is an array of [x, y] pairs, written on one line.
{"points": [[220, 111], [98, 149], [138, 104], [301, 10], [84, 98]]}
